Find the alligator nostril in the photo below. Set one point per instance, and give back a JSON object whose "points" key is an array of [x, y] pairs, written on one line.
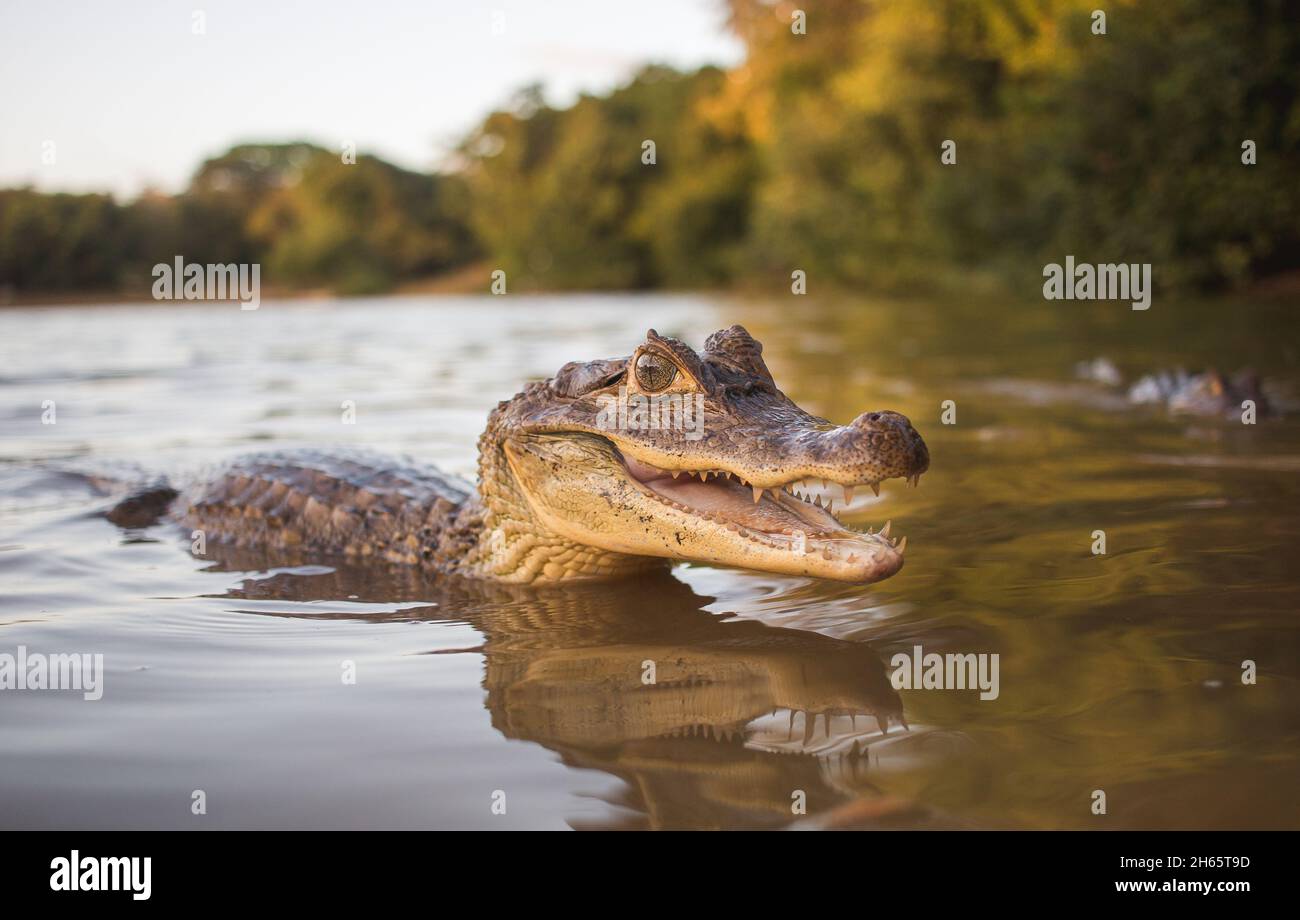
{"points": [[873, 420]]}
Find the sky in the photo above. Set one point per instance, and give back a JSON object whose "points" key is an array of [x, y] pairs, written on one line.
{"points": [[123, 95]]}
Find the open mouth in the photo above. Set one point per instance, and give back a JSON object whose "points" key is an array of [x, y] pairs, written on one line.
{"points": [[794, 516]]}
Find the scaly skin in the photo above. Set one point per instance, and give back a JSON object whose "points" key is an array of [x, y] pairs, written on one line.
{"points": [[564, 493]]}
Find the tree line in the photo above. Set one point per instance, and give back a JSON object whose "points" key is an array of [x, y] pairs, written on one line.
{"points": [[881, 143]]}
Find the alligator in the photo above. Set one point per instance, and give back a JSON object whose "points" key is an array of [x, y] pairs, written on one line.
{"points": [[1207, 393], [568, 489]]}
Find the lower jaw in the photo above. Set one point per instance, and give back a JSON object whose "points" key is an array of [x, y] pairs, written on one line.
{"points": [[798, 548], [863, 570]]}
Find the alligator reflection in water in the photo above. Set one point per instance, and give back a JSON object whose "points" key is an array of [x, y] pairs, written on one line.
{"points": [[739, 717]]}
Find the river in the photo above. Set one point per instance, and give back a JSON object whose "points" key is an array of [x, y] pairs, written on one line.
{"points": [[1162, 673]]}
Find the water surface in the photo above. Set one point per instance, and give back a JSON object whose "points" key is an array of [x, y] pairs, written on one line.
{"points": [[1119, 673]]}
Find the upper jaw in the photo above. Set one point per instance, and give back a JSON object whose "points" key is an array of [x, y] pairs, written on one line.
{"points": [[790, 447]]}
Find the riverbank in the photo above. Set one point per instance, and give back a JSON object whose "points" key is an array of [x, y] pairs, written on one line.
{"points": [[476, 279]]}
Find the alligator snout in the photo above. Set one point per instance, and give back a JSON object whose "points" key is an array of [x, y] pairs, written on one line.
{"points": [[874, 446], [894, 428]]}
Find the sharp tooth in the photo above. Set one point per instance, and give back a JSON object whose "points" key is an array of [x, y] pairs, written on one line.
{"points": [[848, 494], [705, 475], [884, 531], [830, 503], [758, 493], [825, 484], [902, 546], [875, 487], [676, 473], [817, 500]]}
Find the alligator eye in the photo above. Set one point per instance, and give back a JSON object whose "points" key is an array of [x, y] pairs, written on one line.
{"points": [[654, 372]]}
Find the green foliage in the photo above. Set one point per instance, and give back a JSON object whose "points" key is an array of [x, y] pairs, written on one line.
{"points": [[1122, 146], [307, 216], [566, 199], [358, 228], [50, 241]]}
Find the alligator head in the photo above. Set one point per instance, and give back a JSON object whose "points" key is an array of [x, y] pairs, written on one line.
{"points": [[677, 455]]}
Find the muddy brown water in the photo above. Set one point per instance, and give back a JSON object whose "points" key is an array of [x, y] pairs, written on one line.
{"points": [[1120, 672]]}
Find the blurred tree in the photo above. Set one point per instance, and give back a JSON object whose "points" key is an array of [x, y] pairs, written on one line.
{"points": [[310, 218], [60, 241], [567, 199], [1122, 146], [358, 227]]}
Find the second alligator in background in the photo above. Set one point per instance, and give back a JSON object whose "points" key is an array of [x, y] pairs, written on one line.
{"points": [[1208, 393]]}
